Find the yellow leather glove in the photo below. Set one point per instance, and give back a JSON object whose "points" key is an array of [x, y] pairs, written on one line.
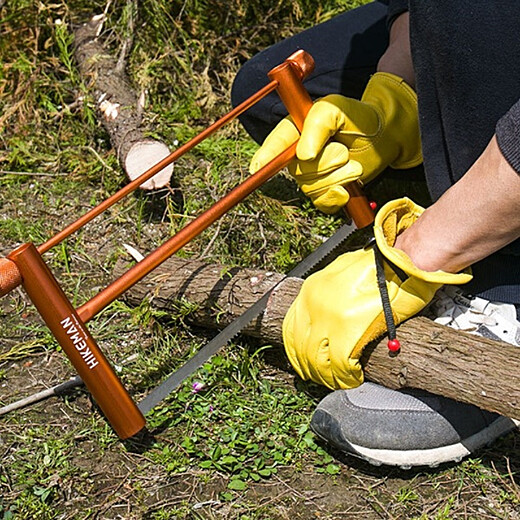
{"points": [[367, 136], [338, 310]]}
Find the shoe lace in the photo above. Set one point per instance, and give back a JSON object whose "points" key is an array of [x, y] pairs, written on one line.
{"points": [[460, 315], [466, 313]]}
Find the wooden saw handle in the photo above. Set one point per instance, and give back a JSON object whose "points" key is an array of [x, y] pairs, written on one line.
{"points": [[10, 277]]}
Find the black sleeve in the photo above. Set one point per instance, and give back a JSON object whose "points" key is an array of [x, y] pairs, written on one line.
{"points": [[395, 8], [508, 136]]}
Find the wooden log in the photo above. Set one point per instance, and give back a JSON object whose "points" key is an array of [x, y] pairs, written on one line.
{"points": [[433, 357], [118, 106]]}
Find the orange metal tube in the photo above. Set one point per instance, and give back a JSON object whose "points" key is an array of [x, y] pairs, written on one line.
{"points": [[9, 276], [157, 257], [25, 264], [77, 342], [148, 174], [288, 79], [296, 99]]}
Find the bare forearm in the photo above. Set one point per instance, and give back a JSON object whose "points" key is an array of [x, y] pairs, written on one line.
{"points": [[398, 58], [477, 216]]}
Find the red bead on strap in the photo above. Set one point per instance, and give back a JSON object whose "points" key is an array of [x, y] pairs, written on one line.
{"points": [[394, 345]]}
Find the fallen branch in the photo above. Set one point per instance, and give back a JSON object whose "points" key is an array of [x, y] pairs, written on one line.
{"points": [[60, 389], [433, 357], [118, 105]]}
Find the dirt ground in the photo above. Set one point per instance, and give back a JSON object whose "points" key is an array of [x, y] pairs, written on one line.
{"points": [[118, 481], [93, 475]]}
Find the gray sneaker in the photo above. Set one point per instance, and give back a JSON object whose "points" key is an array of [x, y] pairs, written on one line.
{"points": [[412, 427], [404, 428]]}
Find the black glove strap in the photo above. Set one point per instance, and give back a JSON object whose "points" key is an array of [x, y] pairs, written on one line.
{"points": [[393, 342]]}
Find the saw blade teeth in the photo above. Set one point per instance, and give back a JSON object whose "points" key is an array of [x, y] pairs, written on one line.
{"points": [[330, 255], [236, 327], [236, 334], [323, 252]]}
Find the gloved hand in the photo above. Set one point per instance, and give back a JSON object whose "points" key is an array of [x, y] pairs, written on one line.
{"points": [[339, 310], [367, 136]]}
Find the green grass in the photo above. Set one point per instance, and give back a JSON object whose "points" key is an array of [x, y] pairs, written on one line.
{"points": [[238, 423]]}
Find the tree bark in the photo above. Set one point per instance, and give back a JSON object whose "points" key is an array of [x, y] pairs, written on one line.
{"points": [[433, 357], [119, 107]]}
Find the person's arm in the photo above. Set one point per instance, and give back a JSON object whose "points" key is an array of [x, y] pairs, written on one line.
{"points": [[476, 217], [344, 139], [397, 59]]}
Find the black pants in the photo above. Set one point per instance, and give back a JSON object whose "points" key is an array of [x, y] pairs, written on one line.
{"points": [[346, 50]]}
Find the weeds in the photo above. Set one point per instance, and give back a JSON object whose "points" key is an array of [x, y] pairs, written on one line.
{"points": [[232, 420]]}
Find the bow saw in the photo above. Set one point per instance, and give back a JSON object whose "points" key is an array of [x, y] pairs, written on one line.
{"points": [[25, 265]]}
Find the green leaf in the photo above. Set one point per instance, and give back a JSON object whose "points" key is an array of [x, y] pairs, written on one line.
{"points": [[253, 448], [230, 459], [237, 485], [217, 452], [332, 469], [39, 491], [302, 429]]}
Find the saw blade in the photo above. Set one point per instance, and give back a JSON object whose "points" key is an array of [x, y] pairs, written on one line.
{"points": [[238, 324]]}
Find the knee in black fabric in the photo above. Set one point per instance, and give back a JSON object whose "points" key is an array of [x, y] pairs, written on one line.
{"points": [[346, 50], [261, 118]]}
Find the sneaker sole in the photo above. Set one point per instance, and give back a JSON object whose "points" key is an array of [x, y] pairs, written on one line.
{"points": [[434, 456]]}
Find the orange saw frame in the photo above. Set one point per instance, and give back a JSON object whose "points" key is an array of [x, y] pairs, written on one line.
{"points": [[25, 265]]}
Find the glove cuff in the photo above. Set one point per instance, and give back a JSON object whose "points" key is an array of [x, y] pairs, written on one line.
{"points": [[391, 220]]}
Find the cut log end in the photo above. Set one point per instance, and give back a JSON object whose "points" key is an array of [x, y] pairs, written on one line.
{"points": [[142, 156], [119, 107]]}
